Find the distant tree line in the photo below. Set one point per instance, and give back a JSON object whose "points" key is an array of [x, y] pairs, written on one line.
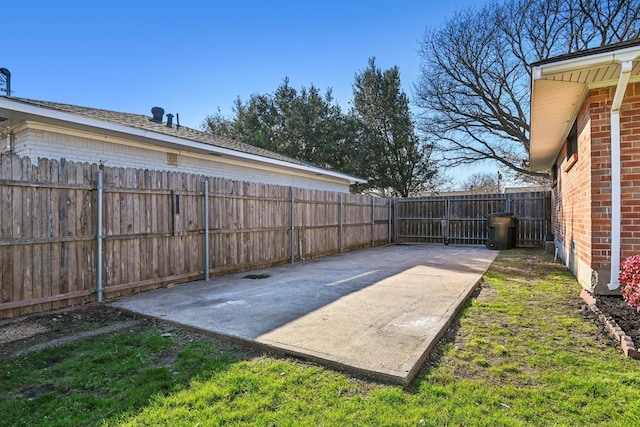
{"points": [[375, 140], [472, 95]]}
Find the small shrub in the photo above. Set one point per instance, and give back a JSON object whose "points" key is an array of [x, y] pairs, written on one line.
{"points": [[630, 279]]}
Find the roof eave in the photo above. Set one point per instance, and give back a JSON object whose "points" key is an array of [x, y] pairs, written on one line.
{"points": [[180, 143], [553, 111]]}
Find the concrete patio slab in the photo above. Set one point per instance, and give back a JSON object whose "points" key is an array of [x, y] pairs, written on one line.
{"points": [[376, 312]]}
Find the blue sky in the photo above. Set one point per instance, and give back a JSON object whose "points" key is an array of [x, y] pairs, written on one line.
{"points": [[193, 57]]}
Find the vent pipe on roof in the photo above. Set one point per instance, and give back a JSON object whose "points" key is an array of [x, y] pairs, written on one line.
{"points": [[169, 120], [5, 78], [157, 113]]}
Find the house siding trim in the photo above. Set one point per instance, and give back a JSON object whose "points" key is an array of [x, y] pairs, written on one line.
{"points": [[40, 140], [73, 121]]}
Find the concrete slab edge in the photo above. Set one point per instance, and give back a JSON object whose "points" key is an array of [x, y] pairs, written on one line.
{"points": [[351, 370], [341, 367], [270, 349], [459, 303], [626, 343]]}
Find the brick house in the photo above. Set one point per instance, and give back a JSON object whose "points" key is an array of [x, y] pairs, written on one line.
{"points": [[53, 130], [585, 128]]}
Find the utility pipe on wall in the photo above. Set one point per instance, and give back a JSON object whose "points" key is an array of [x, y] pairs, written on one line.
{"points": [[616, 176]]}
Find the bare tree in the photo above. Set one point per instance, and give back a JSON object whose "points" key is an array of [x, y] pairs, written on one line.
{"points": [[483, 183], [474, 82]]}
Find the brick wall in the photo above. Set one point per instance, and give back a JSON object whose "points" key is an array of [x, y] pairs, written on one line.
{"points": [[600, 110], [571, 206], [36, 143], [630, 168], [582, 194]]}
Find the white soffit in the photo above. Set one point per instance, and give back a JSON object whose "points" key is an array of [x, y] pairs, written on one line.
{"points": [[558, 90], [553, 109]]}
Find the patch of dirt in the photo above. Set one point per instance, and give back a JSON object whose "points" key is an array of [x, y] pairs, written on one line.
{"points": [[484, 292], [22, 330], [19, 335], [49, 329], [627, 318]]}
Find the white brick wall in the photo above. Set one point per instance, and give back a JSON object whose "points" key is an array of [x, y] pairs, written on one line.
{"points": [[38, 143]]}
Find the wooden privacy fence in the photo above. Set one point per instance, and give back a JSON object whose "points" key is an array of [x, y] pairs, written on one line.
{"points": [[75, 232], [463, 219]]}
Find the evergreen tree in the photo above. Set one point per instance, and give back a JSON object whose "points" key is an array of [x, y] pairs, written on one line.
{"points": [[304, 124], [396, 161]]}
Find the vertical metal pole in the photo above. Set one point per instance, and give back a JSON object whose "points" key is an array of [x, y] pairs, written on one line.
{"points": [[395, 221], [545, 230], [389, 217], [206, 229], [99, 238], [293, 239], [447, 223], [340, 220], [373, 221]]}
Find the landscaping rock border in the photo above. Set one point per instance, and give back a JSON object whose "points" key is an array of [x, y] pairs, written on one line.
{"points": [[625, 341]]}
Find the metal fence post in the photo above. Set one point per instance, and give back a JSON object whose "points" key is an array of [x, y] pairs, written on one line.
{"points": [[292, 239], [341, 221], [544, 228], [447, 219], [206, 229], [373, 221], [396, 227], [99, 238], [389, 231]]}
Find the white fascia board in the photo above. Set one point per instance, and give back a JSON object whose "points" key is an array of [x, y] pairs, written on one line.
{"points": [[184, 144], [586, 62]]}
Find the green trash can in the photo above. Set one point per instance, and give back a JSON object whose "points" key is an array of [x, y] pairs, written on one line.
{"points": [[502, 234]]}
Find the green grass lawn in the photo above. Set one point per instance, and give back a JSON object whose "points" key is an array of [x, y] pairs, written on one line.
{"points": [[524, 352]]}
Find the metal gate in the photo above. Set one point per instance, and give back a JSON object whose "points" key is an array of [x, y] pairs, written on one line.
{"points": [[463, 219]]}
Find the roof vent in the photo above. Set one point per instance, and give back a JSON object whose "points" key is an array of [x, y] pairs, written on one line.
{"points": [[169, 120], [157, 113], [5, 79]]}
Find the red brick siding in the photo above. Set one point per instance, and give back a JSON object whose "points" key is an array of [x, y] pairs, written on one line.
{"points": [[582, 195], [630, 168], [571, 216], [600, 112]]}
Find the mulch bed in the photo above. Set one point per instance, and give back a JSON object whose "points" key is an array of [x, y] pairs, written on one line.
{"points": [[627, 318]]}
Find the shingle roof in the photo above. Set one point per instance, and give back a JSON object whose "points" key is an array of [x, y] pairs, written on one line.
{"points": [[588, 52], [143, 122]]}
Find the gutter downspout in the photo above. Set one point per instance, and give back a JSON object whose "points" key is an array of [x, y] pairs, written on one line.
{"points": [[616, 177]]}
